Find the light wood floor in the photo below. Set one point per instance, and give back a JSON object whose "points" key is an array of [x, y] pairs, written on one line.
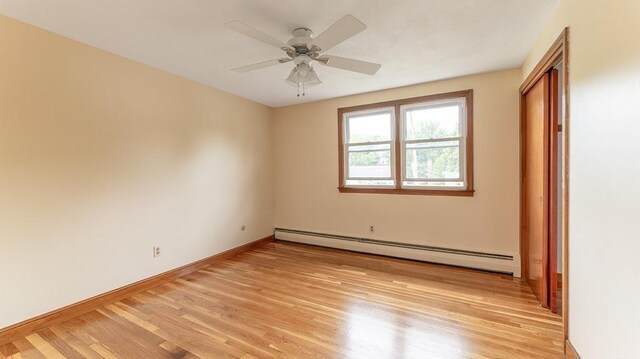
{"points": [[295, 301]]}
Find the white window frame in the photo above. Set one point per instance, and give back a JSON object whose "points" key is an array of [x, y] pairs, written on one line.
{"points": [[462, 160], [390, 142]]}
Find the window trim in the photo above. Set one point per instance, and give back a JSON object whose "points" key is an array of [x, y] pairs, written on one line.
{"points": [[397, 153]]}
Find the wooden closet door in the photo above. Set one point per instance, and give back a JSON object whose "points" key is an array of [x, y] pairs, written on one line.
{"points": [[535, 184]]}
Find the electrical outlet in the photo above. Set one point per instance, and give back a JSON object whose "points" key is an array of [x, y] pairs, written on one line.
{"points": [[372, 228], [156, 252]]}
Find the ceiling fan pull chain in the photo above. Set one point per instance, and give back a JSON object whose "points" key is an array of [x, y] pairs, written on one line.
{"points": [[303, 89], [298, 89]]}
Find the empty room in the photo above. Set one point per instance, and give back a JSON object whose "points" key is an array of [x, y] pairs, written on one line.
{"points": [[364, 179]]}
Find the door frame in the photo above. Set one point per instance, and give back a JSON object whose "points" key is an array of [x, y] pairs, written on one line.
{"points": [[553, 190], [558, 52]]}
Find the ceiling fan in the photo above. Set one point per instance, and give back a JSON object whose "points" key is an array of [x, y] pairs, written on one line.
{"points": [[304, 48]]}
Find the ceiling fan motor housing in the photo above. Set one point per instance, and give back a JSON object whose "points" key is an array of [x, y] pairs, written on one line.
{"points": [[301, 39]]}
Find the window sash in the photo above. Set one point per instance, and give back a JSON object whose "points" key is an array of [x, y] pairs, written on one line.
{"points": [[461, 161], [360, 144], [391, 161], [460, 102], [370, 186], [376, 111], [347, 148], [431, 180]]}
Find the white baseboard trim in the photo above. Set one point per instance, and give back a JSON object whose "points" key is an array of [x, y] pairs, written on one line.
{"points": [[501, 263]]}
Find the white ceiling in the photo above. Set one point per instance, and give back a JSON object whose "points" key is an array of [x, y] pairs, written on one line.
{"points": [[414, 40]]}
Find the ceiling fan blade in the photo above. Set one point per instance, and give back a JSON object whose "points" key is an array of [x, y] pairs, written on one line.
{"points": [[247, 30], [363, 67], [342, 30], [261, 65]]}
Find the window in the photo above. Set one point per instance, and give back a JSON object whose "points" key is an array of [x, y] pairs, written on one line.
{"points": [[413, 146], [369, 148]]}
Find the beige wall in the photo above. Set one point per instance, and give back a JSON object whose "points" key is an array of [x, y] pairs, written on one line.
{"points": [[604, 200], [306, 154], [102, 158]]}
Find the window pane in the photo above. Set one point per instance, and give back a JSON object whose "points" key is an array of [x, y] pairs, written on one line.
{"points": [[437, 160], [369, 161], [432, 122], [372, 127]]}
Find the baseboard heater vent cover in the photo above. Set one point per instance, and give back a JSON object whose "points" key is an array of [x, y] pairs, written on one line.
{"points": [[502, 263]]}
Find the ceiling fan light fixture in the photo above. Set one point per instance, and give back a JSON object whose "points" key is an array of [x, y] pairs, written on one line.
{"points": [[303, 73], [303, 76]]}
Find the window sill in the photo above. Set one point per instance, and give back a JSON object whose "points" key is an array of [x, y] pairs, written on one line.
{"points": [[406, 191]]}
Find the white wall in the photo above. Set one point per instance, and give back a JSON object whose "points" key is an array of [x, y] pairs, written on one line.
{"points": [[306, 154], [604, 150], [102, 158]]}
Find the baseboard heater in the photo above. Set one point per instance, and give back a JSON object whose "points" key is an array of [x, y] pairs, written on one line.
{"points": [[501, 263]]}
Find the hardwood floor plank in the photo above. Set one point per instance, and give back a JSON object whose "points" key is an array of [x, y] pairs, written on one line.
{"points": [[69, 339], [288, 300], [60, 345], [44, 347], [27, 350], [8, 350]]}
